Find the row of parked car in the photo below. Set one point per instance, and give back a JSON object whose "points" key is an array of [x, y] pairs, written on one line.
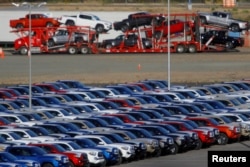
{"points": [[72, 124]]}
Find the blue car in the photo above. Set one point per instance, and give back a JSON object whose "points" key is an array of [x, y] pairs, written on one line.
{"points": [[8, 157], [34, 153]]}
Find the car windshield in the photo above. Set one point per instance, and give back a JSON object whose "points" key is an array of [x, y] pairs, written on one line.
{"points": [[243, 117], [74, 145], [86, 143], [106, 140]]}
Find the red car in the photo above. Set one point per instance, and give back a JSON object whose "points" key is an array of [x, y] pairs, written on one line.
{"points": [[37, 20], [176, 26], [75, 159]]}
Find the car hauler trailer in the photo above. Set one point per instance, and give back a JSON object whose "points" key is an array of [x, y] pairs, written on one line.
{"points": [[72, 40]]}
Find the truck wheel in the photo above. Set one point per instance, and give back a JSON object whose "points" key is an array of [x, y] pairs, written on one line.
{"points": [[69, 23], [19, 26], [180, 48], [71, 164], [192, 49], [223, 140], [84, 50], [229, 45], [174, 149], [47, 165], [108, 46], [235, 27], [199, 145], [124, 28], [72, 50], [157, 35], [203, 20], [51, 43], [24, 51], [49, 24], [99, 28]]}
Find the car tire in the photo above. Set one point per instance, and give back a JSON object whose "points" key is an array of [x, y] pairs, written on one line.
{"points": [[72, 50], [229, 45], [19, 26], [157, 35], [199, 145], [70, 23], [119, 160], [71, 164], [180, 48], [99, 28], [192, 48], [47, 165], [223, 140], [124, 28], [51, 43], [49, 24], [203, 20], [23, 50], [174, 149], [84, 50]]}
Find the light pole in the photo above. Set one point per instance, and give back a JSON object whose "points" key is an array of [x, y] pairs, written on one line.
{"points": [[169, 45], [30, 6]]}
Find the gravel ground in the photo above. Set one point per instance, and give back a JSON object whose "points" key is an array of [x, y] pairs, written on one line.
{"points": [[185, 69]]}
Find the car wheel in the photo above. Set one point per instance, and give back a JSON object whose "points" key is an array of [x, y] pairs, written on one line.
{"points": [[24, 50], [157, 35], [229, 45], [71, 164], [180, 48], [174, 149], [124, 28], [99, 28], [49, 24], [192, 49], [51, 43], [72, 50], [235, 27], [84, 50], [223, 139], [108, 46], [19, 26], [119, 161], [70, 23], [199, 145], [203, 20], [47, 165]]}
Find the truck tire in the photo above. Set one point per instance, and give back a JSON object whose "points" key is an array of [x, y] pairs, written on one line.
{"points": [[203, 20], [23, 50], [72, 50], [70, 23], [47, 165], [192, 48], [71, 164], [223, 140], [49, 24], [99, 28], [157, 35], [124, 28], [84, 50], [174, 149], [235, 27], [19, 26], [199, 145], [51, 43], [180, 48], [229, 45]]}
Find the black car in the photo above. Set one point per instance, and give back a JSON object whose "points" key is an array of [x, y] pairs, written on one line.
{"points": [[129, 40], [138, 19], [221, 38]]}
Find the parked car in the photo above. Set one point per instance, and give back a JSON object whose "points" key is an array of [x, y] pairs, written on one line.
{"points": [[25, 152], [221, 38]]}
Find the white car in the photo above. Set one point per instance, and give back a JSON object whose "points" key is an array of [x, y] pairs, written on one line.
{"points": [[127, 150], [95, 156]]}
